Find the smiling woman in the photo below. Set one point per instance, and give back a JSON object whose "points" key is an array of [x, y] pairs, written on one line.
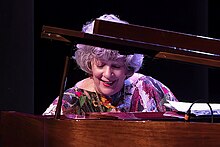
{"points": [[113, 84], [108, 76]]}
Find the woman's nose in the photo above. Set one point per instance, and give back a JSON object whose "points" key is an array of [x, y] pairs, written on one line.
{"points": [[108, 72]]}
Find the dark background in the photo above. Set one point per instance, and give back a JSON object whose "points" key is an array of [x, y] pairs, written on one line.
{"points": [[32, 67]]}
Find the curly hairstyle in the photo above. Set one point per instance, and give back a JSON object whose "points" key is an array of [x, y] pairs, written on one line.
{"points": [[86, 53]]}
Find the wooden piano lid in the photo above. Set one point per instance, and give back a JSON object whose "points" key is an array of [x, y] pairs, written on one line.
{"points": [[155, 43], [174, 45]]}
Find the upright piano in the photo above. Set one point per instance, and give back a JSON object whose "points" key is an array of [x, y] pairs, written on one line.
{"points": [[154, 129]]}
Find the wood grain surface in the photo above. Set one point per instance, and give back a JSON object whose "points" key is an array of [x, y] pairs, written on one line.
{"points": [[18, 129]]}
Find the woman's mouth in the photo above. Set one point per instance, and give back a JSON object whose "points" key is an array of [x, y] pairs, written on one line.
{"points": [[108, 83]]}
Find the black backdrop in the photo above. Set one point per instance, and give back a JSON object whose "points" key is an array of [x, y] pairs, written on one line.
{"points": [[38, 82]]}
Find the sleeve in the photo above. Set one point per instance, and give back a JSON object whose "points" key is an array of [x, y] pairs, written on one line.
{"points": [[69, 98]]}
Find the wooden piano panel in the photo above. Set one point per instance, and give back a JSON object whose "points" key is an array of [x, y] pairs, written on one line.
{"points": [[21, 130], [64, 132]]}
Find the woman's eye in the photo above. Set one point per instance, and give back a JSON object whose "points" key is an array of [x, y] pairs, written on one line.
{"points": [[100, 65], [116, 66]]}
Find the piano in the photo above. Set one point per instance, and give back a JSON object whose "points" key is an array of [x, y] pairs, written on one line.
{"points": [[155, 43], [154, 129]]}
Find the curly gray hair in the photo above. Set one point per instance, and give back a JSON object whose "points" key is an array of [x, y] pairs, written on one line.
{"points": [[86, 53]]}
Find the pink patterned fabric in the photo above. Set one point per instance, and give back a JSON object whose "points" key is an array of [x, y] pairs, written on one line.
{"points": [[140, 94]]}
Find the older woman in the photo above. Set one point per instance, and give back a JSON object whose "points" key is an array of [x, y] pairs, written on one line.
{"points": [[113, 85]]}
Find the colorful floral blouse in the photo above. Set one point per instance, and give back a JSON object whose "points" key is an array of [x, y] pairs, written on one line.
{"points": [[140, 94]]}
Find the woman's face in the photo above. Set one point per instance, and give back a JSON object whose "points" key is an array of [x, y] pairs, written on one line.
{"points": [[108, 75]]}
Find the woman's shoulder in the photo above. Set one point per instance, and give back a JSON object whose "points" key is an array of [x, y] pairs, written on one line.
{"points": [[82, 87], [138, 77], [75, 93]]}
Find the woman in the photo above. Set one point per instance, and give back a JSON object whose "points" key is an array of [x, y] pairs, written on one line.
{"points": [[113, 85]]}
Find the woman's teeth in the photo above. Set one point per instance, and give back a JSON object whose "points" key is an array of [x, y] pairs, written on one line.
{"points": [[107, 83]]}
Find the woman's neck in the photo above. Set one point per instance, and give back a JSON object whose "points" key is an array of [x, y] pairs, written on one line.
{"points": [[86, 84]]}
